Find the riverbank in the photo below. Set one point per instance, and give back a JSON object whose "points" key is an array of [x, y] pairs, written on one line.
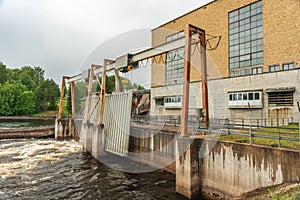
{"points": [[288, 191]]}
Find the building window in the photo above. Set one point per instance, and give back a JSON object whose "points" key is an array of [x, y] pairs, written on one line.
{"points": [[280, 98], [244, 99], [175, 67], [174, 101], [274, 68], [257, 70], [245, 38], [288, 66], [175, 36]]}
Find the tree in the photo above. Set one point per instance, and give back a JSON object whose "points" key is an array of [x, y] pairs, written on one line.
{"points": [[30, 77], [9, 94], [69, 100], [80, 93], [3, 73], [25, 103], [47, 94]]}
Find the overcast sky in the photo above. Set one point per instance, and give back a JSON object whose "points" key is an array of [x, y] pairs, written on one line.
{"points": [[62, 36]]}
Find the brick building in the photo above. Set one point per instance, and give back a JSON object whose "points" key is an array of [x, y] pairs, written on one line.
{"points": [[257, 61]]}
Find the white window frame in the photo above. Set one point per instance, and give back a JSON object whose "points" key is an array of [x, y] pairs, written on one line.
{"points": [[173, 101], [243, 99]]}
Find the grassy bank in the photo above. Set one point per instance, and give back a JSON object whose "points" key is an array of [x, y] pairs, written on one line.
{"points": [[291, 131]]}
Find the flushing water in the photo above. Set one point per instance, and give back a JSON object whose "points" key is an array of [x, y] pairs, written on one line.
{"points": [[50, 169]]}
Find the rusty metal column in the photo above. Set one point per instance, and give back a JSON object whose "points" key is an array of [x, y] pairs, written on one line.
{"points": [[186, 83], [62, 94], [102, 93], [204, 78], [89, 100], [73, 98], [117, 81]]}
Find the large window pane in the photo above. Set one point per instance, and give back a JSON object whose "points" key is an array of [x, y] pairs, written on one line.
{"points": [[245, 37]]}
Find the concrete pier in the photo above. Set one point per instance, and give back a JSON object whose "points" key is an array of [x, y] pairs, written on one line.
{"points": [[65, 129], [187, 167]]}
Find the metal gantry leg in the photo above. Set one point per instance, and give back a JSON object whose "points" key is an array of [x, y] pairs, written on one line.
{"points": [[73, 98], [62, 94], [189, 31]]}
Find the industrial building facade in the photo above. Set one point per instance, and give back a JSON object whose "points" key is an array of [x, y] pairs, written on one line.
{"points": [[256, 63]]}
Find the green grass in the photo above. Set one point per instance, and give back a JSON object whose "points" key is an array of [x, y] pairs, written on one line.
{"points": [[290, 131]]}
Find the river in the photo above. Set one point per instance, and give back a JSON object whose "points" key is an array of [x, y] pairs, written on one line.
{"points": [[50, 169]]}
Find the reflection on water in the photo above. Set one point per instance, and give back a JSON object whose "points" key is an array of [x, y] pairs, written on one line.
{"points": [[49, 169], [13, 123]]}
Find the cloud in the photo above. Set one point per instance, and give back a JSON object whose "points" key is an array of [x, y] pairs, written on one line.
{"points": [[59, 35]]}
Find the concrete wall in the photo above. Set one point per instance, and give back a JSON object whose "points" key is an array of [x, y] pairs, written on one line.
{"points": [[224, 168], [232, 169], [157, 147], [218, 98]]}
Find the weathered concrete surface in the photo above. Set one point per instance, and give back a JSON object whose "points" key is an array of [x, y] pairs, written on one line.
{"points": [[98, 142], [154, 147], [223, 168], [65, 129], [93, 139], [232, 169], [187, 167], [37, 132]]}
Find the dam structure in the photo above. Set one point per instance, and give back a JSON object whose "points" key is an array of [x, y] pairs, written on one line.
{"points": [[187, 145]]}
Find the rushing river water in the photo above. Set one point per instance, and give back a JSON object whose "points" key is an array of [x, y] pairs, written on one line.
{"points": [[50, 169]]}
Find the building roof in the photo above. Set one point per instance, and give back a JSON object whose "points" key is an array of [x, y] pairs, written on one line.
{"points": [[185, 14]]}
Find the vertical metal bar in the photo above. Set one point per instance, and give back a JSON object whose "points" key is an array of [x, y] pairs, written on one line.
{"points": [[117, 81], [278, 131], [299, 124], [250, 123], [186, 83], [204, 78], [62, 94], [242, 123], [298, 104], [73, 98], [102, 93], [89, 100]]}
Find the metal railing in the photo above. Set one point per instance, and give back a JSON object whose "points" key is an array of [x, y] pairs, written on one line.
{"points": [[256, 131]]}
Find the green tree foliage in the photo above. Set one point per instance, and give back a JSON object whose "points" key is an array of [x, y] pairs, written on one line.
{"points": [[110, 84], [3, 73], [9, 95], [31, 77], [25, 104], [25, 91], [80, 93], [47, 94], [69, 100]]}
